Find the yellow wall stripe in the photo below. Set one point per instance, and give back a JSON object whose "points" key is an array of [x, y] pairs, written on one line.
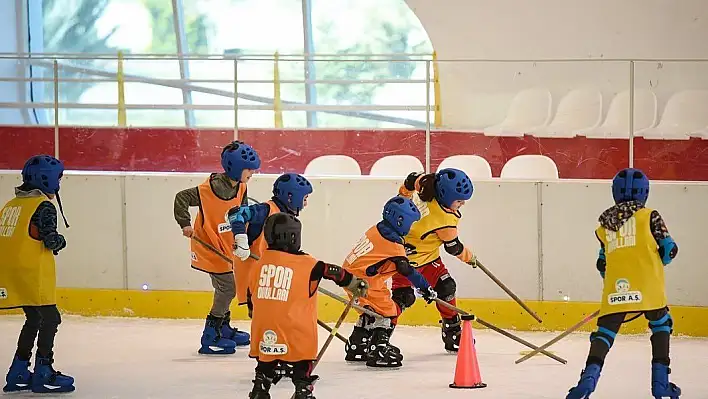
{"points": [[557, 316]]}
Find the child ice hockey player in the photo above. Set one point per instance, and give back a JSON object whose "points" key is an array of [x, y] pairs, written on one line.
{"points": [[219, 193], [28, 242], [283, 297], [439, 196], [375, 258], [635, 245], [290, 193]]}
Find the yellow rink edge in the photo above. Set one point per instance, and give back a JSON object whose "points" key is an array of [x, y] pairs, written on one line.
{"points": [[557, 316]]}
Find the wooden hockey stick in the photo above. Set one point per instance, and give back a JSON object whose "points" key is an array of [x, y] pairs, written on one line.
{"points": [[219, 253], [561, 336], [329, 329], [500, 331], [507, 290], [331, 336], [344, 301], [333, 333]]}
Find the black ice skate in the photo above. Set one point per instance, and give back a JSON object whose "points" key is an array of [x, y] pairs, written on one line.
{"points": [[381, 353], [357, 345], [451, 332], [304, 387], [261, 387]]}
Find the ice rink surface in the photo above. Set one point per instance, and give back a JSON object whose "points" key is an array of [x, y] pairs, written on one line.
{"points": [[142, 358]]}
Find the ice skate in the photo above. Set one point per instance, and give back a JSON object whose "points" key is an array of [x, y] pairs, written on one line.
{"points": [[587, 383], [19, 378]]}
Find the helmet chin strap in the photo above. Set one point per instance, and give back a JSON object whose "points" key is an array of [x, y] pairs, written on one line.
{"points": [[61, 210]]}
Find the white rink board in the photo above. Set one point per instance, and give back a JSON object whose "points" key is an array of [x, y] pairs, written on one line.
{"points": [[500, 223]]}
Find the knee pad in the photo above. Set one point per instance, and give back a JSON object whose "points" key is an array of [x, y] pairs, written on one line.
{"points": [[404, 297], [605, 335], [446, 287], [663, 324]]}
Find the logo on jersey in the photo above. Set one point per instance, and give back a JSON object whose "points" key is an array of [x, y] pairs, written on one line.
{"points": [[362, 247], [194, 256], [625, 237], [275, 283], [623, 295], [269, 344], [3, 293], [225, 227], [8, 220]]}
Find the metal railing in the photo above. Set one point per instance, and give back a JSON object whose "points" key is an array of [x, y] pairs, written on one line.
{"points": [[58, 63], [54, 66]]}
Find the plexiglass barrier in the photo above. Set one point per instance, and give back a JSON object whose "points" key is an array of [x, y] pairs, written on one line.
{"points": [[541, 120]]}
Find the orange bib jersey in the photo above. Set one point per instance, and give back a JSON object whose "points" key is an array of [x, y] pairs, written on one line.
{"points": [[374, 251], [284, 325], [27, 268], [242, 269], [212, 226]]}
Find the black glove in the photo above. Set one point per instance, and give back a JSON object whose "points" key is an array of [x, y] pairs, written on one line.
{"points": [[429, 294], [410, 249], [409, 183]]}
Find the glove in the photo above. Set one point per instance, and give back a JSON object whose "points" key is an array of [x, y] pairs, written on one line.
{"points": [[241, 249], [428, 294], [473, 262], [409, 183], [358, 287], [410, 249]]}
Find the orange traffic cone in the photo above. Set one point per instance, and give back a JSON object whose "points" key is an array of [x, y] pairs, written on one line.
{"points": [[467, 374]]}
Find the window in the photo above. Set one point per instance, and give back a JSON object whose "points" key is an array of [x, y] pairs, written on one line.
{"points": [[251, 31], [369, 27], [254, 30]]}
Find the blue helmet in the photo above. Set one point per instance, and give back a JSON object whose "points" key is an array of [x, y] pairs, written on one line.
{"points": [[236, 157], [291, 189], [452, 185], [43, 172], [400, 212], [630, 185]]}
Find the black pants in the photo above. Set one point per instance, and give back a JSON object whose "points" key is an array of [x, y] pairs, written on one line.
{"points": [[301, 370], [660, 323], [41, 324]]}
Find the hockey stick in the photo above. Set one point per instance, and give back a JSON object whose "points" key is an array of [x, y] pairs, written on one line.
{"points": [[500, 331], [219, 253], [329, 329], [507, 290], [558, 338], [344, 301], [331, 336], [333, 333]]}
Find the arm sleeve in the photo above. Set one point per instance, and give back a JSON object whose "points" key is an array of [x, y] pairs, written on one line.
{"points": [[183, 200], [331, 272], [405, 269], [45, 219], [601, 263], [668, 249], [453, 245]]}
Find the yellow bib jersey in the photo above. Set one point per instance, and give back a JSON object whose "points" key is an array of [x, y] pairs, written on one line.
{"points": [[423, 235], [634, 274], [27, 268]]}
